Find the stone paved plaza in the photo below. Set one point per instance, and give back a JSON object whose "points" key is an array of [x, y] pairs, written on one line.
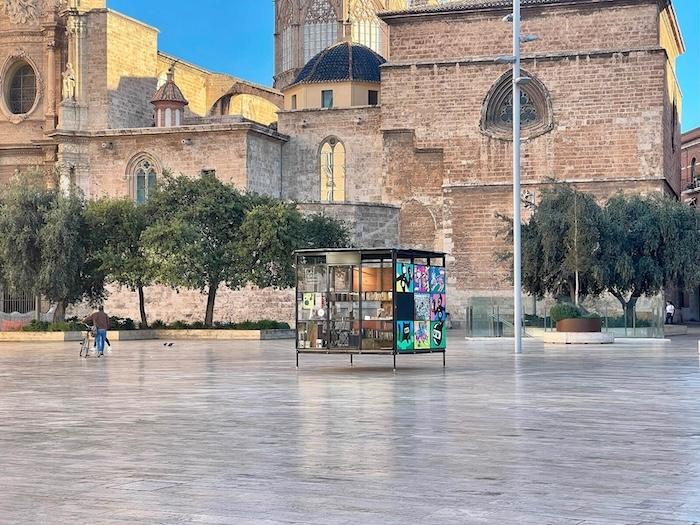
{"points": [[231, 433]]}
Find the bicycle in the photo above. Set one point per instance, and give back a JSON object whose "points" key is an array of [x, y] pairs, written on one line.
{"points": [[85, 344]]}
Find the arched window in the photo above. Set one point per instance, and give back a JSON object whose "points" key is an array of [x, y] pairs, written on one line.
{"points": [[143, 173], [320, 28], [366, 28], [693, 171], [535, 108], [332, 170], [21, 90]]}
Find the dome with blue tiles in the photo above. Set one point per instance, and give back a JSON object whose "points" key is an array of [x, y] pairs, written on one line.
{"points": [[342, 62]]}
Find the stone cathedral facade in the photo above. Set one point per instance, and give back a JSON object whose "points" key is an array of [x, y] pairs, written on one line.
{"points": [[392, 115]]}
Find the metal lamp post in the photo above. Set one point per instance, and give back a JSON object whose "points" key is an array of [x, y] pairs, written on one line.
{"points": [[518, 81], [517, 247]]}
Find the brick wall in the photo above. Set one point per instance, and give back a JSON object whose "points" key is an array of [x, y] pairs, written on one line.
{"points": [[356, 128], [102, 171], [264, 165], [482, 33], [165, 304], [370, 225], [191, 80], [690, 151], [132, 49], [612, 127]]}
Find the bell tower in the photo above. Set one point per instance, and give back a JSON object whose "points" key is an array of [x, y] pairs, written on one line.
{"points": [[303, 29]]}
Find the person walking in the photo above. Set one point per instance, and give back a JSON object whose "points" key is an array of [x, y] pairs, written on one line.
{"points": [[100, 320], [670, 312]]}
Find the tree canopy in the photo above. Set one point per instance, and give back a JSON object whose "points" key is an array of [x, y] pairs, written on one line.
{"points": [[633, 246], [43, 246], [116, 226]]}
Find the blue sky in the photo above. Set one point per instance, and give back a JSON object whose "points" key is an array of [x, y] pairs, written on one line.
{"points": [[235, 36]]}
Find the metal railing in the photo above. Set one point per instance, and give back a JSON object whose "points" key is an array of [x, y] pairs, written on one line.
{"points": [[496, 324], [21, 303], [493, 317]]}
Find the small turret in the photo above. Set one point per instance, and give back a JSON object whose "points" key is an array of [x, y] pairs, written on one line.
{"points": [[169, 103]]}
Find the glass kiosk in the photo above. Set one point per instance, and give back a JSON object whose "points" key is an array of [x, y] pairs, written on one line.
{"points": [[373, 301]]}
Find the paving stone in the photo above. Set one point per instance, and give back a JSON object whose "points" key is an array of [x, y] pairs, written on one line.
{"points": [[231, 432]]}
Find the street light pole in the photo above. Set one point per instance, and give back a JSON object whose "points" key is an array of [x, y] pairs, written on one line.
{"points": [[517, 247]]}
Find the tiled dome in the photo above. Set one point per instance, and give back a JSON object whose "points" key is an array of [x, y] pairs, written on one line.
{"points": [[342, 62]]}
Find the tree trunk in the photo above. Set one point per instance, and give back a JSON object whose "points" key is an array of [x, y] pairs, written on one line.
{"points": [[142, 307], [59, 314], [578, 287], [627, 307], [211, 299], [629, 311]]}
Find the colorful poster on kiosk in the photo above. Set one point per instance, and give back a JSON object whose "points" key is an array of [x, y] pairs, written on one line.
{"points": [[420, 308]]}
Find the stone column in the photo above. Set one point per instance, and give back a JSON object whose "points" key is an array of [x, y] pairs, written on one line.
{"points": [[51, 66]]}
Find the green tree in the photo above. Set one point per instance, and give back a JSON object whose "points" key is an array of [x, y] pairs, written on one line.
{"points": [[25, 204], [193, 239], [269, 235], [648, 242], [560, 245], [320, 231], [271, 232], [66, 275], [43, 249], [116, 227]]}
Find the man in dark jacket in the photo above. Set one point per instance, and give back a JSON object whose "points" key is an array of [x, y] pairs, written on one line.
{"points": [[100, 320]]}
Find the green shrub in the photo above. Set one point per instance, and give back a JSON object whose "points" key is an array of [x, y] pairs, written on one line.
{"points": [[565, 311], [36, 326], [158, 324], [70, 325], [265, 324], [121, 323]]}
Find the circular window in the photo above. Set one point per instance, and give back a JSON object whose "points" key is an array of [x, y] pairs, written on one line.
{"points": [[21, 89]]}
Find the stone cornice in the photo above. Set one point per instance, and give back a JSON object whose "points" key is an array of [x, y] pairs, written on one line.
{"points": [[324, 110], [546, 182], [480, 6], [186, 130], [558, 55]]}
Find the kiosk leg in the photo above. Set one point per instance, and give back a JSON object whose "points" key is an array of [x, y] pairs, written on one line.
{"points": [[443, 360], [350, 359], [394, 362], [297, 358]]}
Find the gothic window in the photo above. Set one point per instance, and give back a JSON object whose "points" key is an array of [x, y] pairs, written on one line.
{"points": [[287, 51], [285, 18], [366, 28], [143, 174], [332, 171], [535, 108], [320, 28], [693, 170], [21, 90]]}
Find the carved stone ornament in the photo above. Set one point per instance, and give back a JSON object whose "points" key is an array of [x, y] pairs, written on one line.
{"points": [[22, 11], [18, 55]]}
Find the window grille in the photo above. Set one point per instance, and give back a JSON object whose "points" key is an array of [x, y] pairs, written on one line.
{"points": [[22, 90]]}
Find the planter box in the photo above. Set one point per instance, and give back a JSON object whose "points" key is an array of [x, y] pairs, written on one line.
{"points": [[145, 335], [580, 325]]}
